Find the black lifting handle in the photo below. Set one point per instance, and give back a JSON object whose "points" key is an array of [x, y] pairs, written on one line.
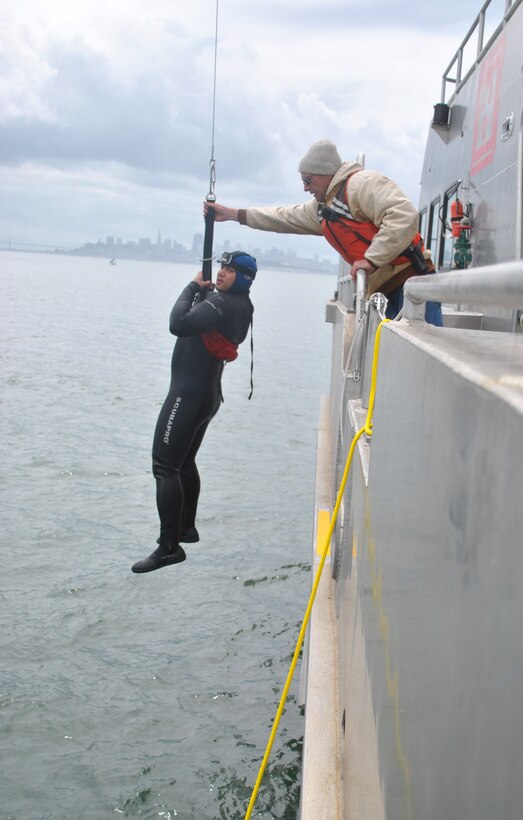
{"points": [[207, 245]]}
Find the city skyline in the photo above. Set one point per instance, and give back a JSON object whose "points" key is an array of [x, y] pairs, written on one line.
{"points": [[171, 250]]}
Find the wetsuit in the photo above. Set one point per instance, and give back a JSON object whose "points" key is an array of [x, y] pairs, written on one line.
{"points": [[194, 398]]}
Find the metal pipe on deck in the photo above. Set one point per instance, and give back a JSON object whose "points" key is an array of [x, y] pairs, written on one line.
{"points": [[499, 285]]}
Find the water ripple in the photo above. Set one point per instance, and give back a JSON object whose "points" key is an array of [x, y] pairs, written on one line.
{"points": [[148, 697]]}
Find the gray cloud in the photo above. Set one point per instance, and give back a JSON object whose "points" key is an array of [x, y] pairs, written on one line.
{"points": [[120, 121], [323, 17], [159, 125]]}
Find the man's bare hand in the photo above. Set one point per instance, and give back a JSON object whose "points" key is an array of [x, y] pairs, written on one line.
{"points": [[362, 264], [221, 212], [203, 283]]}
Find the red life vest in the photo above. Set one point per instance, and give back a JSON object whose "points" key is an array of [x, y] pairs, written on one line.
{"points": [[348, 236], [219, 347]]}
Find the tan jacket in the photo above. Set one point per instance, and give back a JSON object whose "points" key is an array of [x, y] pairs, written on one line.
{"points": [[371, 197]]}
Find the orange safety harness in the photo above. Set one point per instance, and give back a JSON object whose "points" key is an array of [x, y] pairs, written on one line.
{"points": [[219, 347], [224, 350]]}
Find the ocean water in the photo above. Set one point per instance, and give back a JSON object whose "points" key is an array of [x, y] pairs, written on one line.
{"points": [[149, 696]]}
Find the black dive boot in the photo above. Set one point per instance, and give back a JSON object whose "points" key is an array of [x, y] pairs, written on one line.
{"points": [[188, 536], [161, 557], [188, 532]]}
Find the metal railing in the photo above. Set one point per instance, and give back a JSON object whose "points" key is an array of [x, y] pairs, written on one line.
{"points": [[495, 285], [368, 314], [485, 31]]}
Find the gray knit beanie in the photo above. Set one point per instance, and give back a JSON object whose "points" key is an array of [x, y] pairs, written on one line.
{"points": [[321, 158]]}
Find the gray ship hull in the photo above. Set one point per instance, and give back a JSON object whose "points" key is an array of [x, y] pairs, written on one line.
{"points": [[427, 603], [414, 659]]}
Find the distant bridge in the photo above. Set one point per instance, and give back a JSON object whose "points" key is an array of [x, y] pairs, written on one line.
{"points": [[20, 245]]}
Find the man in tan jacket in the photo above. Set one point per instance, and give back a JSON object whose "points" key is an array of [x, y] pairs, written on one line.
{"points": [[362, 214]]}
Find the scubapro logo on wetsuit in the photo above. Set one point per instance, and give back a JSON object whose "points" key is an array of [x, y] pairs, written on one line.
{"points": [[171, 419]]}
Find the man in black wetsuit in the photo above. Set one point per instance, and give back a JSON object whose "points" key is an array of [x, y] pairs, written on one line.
{"points": [[210, 324]]}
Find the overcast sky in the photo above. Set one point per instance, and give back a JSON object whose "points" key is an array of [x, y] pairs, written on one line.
{"points": [[106, 107]]}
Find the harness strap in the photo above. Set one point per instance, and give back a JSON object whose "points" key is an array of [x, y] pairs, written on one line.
{"points": [[252, 363]]}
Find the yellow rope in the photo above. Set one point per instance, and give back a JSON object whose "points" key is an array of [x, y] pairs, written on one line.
{"points": [[367, 429], [374, 375]]}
